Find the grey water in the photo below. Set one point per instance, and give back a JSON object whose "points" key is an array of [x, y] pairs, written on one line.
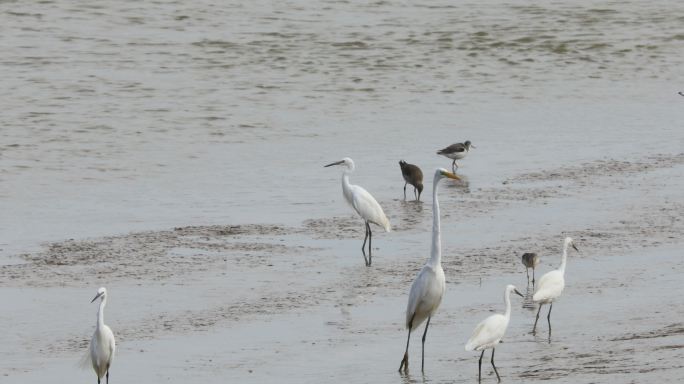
{"points": [[125, 116]]}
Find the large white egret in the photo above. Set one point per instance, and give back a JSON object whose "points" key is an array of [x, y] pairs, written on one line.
{"points": [[551, 285], [102, 345], [456, 152], [490, 331], [364, 204], [412, 175], [429, 285]]}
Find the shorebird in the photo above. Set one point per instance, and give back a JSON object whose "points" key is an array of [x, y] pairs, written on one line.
{"points": [[429, 285], [456, 152], [364, 204], [551, 285], [412, 175], [102, 344], [530, 260], [490, 331]]}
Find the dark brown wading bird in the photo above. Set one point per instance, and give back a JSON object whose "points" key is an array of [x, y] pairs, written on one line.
{"points": [[456, 152], [412, 175], [530, 260]]}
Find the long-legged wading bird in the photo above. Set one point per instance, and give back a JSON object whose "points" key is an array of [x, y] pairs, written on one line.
{"points": [[456, 152], [364, 204], [102, 345], [530, 260], [412, 175], [428, 287], [551, 285], [490, 331]]}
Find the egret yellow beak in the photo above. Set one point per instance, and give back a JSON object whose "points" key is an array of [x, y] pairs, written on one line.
{"points": [[450, 175]]}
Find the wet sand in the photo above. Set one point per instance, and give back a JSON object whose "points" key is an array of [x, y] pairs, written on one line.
{"points": [[258, 302]]}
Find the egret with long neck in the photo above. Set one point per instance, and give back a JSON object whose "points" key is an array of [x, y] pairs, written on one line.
{"points": [[490, 331], [102, 344], [364, 204], [551, 285], [428, 287]]}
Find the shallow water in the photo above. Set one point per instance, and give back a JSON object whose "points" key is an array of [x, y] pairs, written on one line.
{"points": [[124, 124]]}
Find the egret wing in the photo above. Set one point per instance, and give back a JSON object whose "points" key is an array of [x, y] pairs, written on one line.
{"points": [[487, 333], [368, 208]]}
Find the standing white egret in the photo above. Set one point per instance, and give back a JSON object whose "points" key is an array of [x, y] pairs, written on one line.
{"points": [[364, 204], [551, 285], [429, 285], [102, 345], [490, 331]]}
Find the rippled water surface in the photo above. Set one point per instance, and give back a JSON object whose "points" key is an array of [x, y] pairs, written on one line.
{"points": [[122, 120]]}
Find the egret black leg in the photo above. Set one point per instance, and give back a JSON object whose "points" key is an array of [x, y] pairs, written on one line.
{"points": [[534, 329], [422, 363], [548, 318], [107, 376], [405, 190], [479, 367], [495, 371], [404, 361], [370, 241], [98, 380], [363, 247]]}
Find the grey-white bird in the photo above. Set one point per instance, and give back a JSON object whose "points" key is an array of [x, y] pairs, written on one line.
{"points": [[456, 152]]}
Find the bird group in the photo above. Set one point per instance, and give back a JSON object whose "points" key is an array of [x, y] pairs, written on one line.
{"points": [[427, 289], [429, 285]]}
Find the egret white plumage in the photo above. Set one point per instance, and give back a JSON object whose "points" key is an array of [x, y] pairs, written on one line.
{"points": [[429, 285], [364, 204], [102, 344], [551, 285], [530, 260], [490, 331], [455, 152]]}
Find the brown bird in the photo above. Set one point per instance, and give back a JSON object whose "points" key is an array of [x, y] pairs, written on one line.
{"points": [[412, 175], [456, 152], [530, 260]]}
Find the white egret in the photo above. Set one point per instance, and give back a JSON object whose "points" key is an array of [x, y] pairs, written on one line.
{"points": [[412, 175], [530, 260], [456, 152], [102, 345], [551, 285], [364, 204], [429, 285], [490, 331]]}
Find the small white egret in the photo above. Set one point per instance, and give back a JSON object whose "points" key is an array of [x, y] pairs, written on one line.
{"points": [[102, 345], [429, 285], [551, 285], [530, 260], [456, 152], [490, 331], [364, 204], [412, 175]]}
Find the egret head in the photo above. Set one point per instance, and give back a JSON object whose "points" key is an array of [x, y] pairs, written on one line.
{"points": [[441, 173], [468, 144], [511, 288], [569, 242], [346, 162], [101, 293]]}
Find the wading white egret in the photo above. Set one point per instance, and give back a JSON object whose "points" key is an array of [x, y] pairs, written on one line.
{"points": [[102, 345], [551, 285], [456, 152], [412, 175], [364, 204], [530, 260], [490, 331], [428, 287]]}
